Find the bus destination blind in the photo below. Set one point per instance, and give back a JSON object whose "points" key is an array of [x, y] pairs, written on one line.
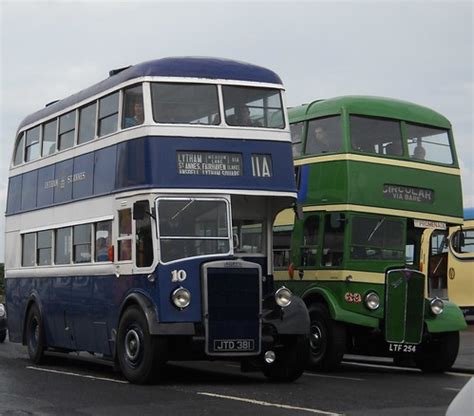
{"points": [[209, 163]]}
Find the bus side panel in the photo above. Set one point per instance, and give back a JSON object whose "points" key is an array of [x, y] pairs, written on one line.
{"points": [[19, 292]]}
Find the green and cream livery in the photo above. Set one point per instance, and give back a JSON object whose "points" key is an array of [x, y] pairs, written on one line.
{"points": [[373, 174]]}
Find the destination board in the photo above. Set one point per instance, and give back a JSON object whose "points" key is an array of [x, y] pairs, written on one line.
{"points": [[209, 163], [408, 193]]}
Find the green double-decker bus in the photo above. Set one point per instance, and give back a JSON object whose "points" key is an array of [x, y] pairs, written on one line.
{"points": [[373, 174]]}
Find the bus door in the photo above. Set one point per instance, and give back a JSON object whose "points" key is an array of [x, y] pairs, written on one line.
{"points": [[413, 246], [437, 268]]}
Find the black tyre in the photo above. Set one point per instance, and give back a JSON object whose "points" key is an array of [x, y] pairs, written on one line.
{"points": [[3, 335], [327, 339], [438, 352], [290, 361], [34, 335], [140, 355]]}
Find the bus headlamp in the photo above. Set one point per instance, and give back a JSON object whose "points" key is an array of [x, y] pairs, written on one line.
{"points": [[181, 298], [437, 306], [3, 312], [283, 296], [372, 301]]}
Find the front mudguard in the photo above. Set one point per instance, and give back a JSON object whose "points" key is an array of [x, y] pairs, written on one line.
{"points": [[451, 320], [290, 320]]}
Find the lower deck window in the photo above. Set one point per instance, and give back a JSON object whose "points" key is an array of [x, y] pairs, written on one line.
{"points": [[82, 243], [44, 250], [191, 227], [28, 250], [377, 238]]}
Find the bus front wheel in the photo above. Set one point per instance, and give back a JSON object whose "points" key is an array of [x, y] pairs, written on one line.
{"points": [[290, 361], [438, 352], [35, 339], [327, 339], [137, 350]]}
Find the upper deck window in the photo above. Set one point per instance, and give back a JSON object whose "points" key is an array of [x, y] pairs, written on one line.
{"points": [[297, 138], [132, 107], [185, 103], [32, 148], [253, 107], [376, 135], [324, 136], [429, 144], [49, 138], [20, 144], [87, 123], [192, 227], [108, 114], [67, 128]]}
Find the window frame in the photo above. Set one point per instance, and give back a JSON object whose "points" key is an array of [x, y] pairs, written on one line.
{"points": [[74, 129], [453, 248], [181, 198]]}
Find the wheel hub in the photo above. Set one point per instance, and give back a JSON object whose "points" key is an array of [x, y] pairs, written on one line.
{"points": [[132, 345], [316, 340]]}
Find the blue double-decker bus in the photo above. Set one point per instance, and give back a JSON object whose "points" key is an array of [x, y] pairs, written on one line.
{"points": [[139, 221]]}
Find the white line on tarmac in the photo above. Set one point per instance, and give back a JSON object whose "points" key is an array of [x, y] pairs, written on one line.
{"points": [[392, 367], [326, 376], [260, 403], [460, 374], [451, 388], [47, 370], [403, 368]]}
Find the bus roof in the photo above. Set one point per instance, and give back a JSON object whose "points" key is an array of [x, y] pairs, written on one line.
{"points": [[367, 105], [192, 67]]}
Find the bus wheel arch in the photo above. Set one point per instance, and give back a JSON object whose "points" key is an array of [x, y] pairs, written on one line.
{"points": [[140, 354], [327, 336], [291, 360], [34, 334], [438, 352]]}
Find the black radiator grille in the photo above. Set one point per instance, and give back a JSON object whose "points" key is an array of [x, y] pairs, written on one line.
{"points": [[233, 310]]}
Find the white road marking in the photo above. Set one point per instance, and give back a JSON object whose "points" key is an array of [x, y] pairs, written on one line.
{"points": [[451, 388], [403, 368], [261, 403], [47, 370], [326, 376], [460, 374], [383, 366]]}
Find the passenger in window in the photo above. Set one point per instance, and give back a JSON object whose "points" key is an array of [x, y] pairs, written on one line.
{"points": [[419, 151], [322, 143], [136, 116], [242, 117], [102, 251]]}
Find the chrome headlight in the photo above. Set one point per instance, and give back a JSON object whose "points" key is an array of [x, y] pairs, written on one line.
{"points": [[181, 298], [283, 296], [437, 306], [3, 311], [372, 301]]}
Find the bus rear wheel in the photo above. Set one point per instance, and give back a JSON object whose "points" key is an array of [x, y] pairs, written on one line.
{"points": [[137, 349], [35, 339], [438, 352], [290, 361], [327, 339]]}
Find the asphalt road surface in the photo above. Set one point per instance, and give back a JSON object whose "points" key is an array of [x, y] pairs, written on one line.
{"points": [[71, 385]]}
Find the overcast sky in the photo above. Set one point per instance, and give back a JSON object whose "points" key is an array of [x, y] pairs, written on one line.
{"points": [[415, 51]]}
